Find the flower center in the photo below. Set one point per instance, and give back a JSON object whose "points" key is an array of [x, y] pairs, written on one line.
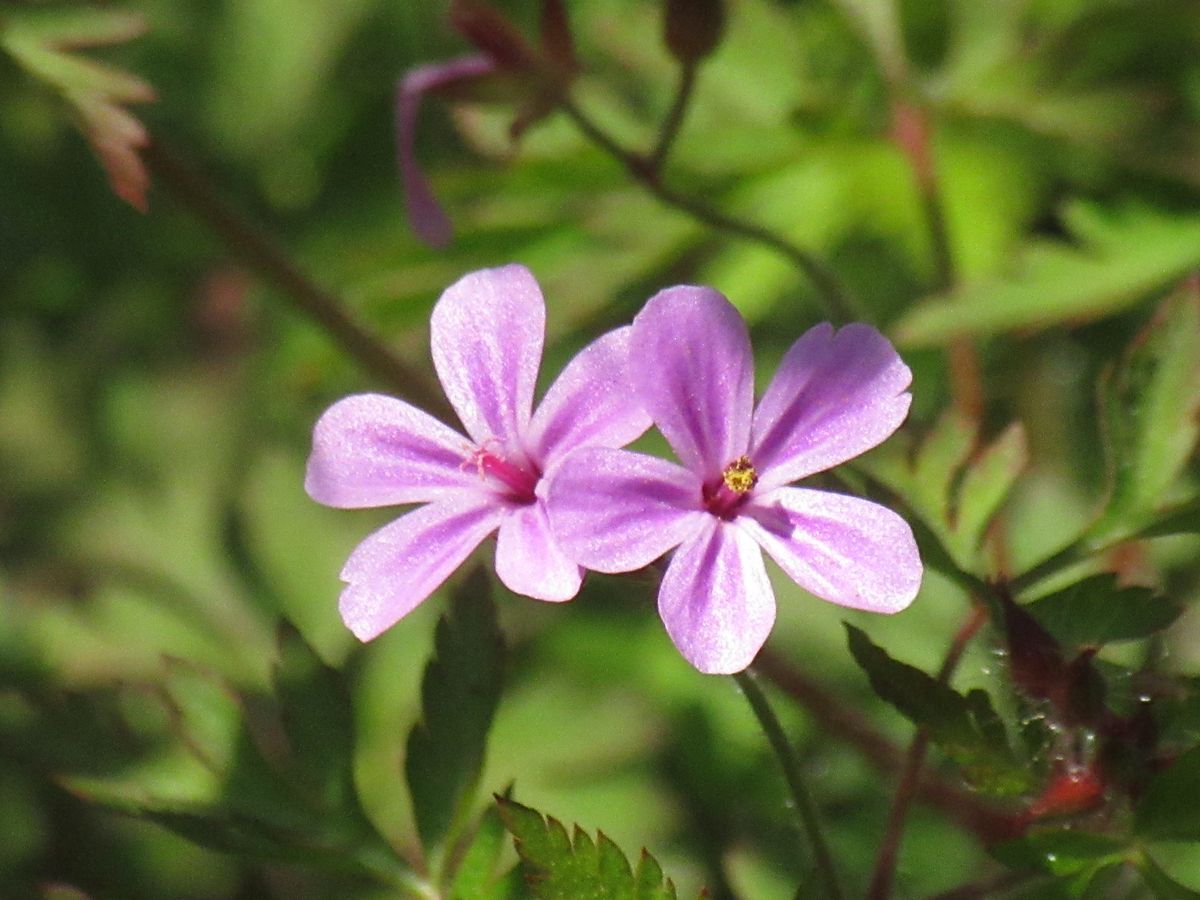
{"points": [[521, 481], [723, 497]]}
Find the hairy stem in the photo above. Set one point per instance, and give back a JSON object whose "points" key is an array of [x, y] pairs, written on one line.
{"points": [[189, 187], [788, 761], [838, 304], [914, 760]]}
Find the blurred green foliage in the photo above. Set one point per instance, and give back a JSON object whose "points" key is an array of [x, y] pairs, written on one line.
{"points": [[182, 713]]}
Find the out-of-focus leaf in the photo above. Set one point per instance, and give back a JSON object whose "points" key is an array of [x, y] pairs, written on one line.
{"points": [[1122, 259], [1162, 885], [1154, 411], [41, 42], [966, 728], [477, 869], [1095, 611], [986, 483], [459, 693], [938, 460], [1168, 809], [1062, 851], [562, 867]]}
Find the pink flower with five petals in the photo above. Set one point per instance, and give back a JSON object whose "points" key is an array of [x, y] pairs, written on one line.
{"points": [[370, 450], [836, 395]]}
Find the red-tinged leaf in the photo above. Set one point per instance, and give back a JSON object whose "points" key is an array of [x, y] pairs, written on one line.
{"points": [[490, 32], [116, 137], [75, 29], [557, 42]]}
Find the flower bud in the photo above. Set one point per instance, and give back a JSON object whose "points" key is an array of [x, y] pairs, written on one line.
{"points": [[692, 28]]}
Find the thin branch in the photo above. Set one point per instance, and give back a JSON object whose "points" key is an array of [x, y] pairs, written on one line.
{"points": [[189, 187], [674, 119], [910, 778], [786, 755], [838, 304]]}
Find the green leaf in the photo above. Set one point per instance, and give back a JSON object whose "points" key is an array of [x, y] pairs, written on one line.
{"points": [[1168, 809], [1128, 255], [986, 484], [965, 728], [1154, 412], [1095, 611], [558, 867], [1162, 885], [476, 870], [1066, 851], [459, 693]]}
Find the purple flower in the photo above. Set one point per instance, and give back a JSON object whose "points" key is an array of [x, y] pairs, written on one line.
{"points": [[371, 450], [836, 395]]}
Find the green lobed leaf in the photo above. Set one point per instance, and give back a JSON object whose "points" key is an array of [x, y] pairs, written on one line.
{"points": [[967, 729], [558, 867], [459, 693], [1154, 411], [1095, 611], [1168, 809], [1138, 252]]}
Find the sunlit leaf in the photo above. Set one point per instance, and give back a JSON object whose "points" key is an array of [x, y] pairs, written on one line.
{"points": [[477, 868], [562, 867], [1095, 611], [966, 728], [1137, 253], [459, 693], [986, 484], [1162, 885]]}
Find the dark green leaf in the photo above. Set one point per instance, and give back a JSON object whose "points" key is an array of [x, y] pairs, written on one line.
{"points": [[1168, 809], [561, 868], [967, 729], [1063, 851], [459, 693], [1095, 611]]}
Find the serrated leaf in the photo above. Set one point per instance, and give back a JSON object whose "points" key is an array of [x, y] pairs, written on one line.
{"points": [[1095, 611], [967, 729], [317, 716], [559, 868], [459, 693], [1168, 809], [1154, 412], [1140, 252]]}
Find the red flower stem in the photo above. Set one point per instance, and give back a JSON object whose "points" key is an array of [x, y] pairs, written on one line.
{"points": [[788, 761], [838, 304], [192, 190], [910, 777]]}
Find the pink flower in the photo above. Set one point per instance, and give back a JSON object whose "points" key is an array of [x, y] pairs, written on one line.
{"points": [[371, 450], [836, 395]]}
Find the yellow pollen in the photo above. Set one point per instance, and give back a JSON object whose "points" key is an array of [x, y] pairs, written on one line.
{"points": [[739, 476]]}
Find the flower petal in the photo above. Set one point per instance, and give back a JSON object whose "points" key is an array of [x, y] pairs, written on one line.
{"points": [[690, 361], [846, 550], [401, 564], [486, 336], [425, 214], [836, 395], [716, 601], [616, 511], [589, 404], [372, 450], [529, 560]]}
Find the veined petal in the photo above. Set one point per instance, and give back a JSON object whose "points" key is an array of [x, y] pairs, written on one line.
{"points": [[486, 334], [616, 511], [425, 214], [372, 450], [691, 364], [846, 550], [837, 394], [529, 560], [591, 404], [715, 599], [401, 564]]}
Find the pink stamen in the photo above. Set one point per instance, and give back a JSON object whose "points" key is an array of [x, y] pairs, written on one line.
{"points": [[520, 481]]}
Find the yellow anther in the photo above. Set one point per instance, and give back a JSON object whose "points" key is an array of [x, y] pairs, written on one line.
{"points": [[739, 476]]}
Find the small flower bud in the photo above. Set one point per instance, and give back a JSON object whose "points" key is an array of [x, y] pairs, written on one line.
{"points": [[692, 28]]}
